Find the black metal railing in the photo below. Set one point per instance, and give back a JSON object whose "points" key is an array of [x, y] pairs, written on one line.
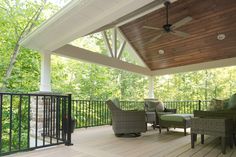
{"points": [[91, 113], [31, 121], [184, 106]]}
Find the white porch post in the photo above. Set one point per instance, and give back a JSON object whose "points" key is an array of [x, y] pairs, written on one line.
{"points": [[151, 87], [45, 83]]}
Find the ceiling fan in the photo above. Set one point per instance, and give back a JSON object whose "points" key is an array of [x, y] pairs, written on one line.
{"points": [[170, 28]]}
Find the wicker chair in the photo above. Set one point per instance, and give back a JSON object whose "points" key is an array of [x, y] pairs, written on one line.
{"points": [[126, 122], [230, 114], [150, 108], [221, 127]]}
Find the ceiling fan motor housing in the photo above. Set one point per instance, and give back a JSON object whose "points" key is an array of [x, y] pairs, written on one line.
{"points": [[167, 27]]}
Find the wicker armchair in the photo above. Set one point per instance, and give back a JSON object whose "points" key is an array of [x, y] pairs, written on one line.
{"points": [[126, 122], [227, 113], [220, 126]]}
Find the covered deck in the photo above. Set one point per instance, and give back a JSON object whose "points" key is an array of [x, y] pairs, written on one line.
{"points": [[101, 142], [208, 42]]}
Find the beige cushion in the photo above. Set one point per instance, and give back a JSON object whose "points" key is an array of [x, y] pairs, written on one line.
{"points": [[160, 106], [216, 105], [157, 106]]}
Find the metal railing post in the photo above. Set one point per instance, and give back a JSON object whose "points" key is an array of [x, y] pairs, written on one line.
{"points": [[199, 105], [69, 124]]}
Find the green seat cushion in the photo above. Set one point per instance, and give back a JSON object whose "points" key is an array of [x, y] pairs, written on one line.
{"points": [[163, 113], [232, 102], [176, 117]]}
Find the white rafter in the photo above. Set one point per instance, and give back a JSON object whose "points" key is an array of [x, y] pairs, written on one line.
{"points": [[107, 43], [121, 49], [131, 50], [114, 42]]}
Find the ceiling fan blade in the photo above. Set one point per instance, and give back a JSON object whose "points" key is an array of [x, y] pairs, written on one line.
{"points": [[179, 33], [154, 28], [181, 22], [156, 37]]}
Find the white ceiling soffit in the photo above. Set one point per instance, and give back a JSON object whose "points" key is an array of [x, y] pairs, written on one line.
{"points": [[77, 19], [73, 52], [195, 67]]}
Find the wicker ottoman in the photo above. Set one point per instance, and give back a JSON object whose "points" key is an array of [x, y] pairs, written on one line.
{"points": [[221, 127], [175, 121]]}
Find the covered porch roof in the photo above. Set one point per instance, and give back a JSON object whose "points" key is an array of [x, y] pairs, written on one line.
{"points": [[200, 50]]}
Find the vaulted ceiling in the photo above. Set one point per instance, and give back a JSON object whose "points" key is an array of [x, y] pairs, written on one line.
{"points": [[210, 18]]}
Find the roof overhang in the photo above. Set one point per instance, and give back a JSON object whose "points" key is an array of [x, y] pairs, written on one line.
{"points": [[78, 19]]}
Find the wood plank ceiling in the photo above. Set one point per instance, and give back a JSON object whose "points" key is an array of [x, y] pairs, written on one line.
{"points": [[210, 18]]}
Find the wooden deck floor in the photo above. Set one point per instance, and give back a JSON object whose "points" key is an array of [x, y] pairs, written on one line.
{"points": [[101, 142]]}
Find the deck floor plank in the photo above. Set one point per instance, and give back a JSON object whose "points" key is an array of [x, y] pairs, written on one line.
{"points": [[101, 142]]}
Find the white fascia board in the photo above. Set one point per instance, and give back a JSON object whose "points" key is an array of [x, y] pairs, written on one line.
{"points": [[131, 50], [77, 53], [78, 19], [196, 67]]}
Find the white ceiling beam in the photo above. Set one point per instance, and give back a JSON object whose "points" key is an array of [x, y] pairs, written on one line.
{"points": [[107, 43], [196, 67], [73, 52]]}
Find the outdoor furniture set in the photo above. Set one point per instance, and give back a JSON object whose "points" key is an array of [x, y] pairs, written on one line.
{"points": [[220, 121], [165, 118], [135, 122]]}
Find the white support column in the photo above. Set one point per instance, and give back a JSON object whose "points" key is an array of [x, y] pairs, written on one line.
{"points": [[45, 83], [151, 87]]}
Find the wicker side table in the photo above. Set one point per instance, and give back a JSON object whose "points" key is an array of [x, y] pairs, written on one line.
{"points": [[221, 127]]}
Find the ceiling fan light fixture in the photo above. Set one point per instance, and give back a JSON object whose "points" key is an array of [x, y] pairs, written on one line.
{"points": [[221, 36], [161, 52]]}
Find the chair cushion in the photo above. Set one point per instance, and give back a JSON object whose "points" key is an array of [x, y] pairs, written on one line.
{"points": [[216, 105], [232, 102], [160, 106], [155, 106], [176, 117]]}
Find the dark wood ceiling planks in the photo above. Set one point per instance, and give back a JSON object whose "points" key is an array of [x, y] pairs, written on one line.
{"points": [[210, 18]]}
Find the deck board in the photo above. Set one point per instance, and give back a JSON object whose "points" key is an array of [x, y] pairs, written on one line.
{"points": [[101, 142]]}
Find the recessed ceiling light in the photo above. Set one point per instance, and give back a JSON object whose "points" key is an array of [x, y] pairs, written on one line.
{"points": [[221, 36], [161, 52]]}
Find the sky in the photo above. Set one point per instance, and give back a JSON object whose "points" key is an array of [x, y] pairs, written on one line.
{"points": [[60, 3]]}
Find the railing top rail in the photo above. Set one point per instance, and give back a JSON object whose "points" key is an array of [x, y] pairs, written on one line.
{"points": [[144, 101], [34, 94]]}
